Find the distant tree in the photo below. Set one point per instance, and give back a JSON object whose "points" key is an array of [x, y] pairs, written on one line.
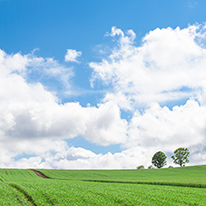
{"points": [[180, 156], [140, 167], [159, 159]]}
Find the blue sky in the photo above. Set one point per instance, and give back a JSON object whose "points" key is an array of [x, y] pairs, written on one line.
{"points": [[53, 27], [104, 84]]}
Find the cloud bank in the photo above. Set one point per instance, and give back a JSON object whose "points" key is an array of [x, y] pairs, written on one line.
{"points": [[168, 65]]}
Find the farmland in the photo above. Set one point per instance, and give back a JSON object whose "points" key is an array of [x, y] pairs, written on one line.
{"points": [[103, 187], [186, 176]]}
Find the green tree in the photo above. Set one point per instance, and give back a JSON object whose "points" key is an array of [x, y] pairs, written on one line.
{"points": [[159, 159], [180, 156]]}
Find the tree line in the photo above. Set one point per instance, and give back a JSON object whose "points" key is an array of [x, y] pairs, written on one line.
{"points": [[180, 157]]}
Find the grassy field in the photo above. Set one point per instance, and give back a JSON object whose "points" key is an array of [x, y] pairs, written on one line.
{"points": [[23, 187], [194, 176]]}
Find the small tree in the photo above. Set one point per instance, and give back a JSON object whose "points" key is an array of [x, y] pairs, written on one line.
{"points": [[159, 159], [180, 156]]}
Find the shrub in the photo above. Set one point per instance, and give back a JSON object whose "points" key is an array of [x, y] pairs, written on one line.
{"points": [[140, 167]]}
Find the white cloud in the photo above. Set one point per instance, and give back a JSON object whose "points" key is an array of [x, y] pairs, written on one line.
{"points": [[119, 99], [72, 55], [169, 65], [155, 129], [48, 69], [56, 154], [88, 160], [29, 111], [168, 129], [104, 125]]}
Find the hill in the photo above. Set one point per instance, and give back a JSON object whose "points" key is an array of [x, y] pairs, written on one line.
{"points": [[192, 176]]}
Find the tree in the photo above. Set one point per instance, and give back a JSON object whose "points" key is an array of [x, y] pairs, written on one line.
{"points": [[159, 159], [180, 156]]}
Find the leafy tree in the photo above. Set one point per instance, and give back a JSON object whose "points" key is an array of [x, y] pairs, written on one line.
{"points": [[180, 156], [159, 159]]}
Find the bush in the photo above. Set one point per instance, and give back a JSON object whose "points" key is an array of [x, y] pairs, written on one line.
{"points": [[150, 167], [170, 166], [140, 167]]}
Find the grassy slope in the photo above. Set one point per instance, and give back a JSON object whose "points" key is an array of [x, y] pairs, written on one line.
{"points": [[69, 192], [42, 192], [10, 192], [25, 188], [194, 176], [7, 175]]}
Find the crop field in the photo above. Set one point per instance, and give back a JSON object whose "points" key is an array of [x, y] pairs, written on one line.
{"points": [[193, 176], [70, 187]]}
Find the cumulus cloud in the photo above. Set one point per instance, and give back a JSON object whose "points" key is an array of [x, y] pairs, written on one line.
{"points": [[72, 55], [168, 129], [33, 122], [57, 154], [28, 110], [168, 65], [124, 159]]}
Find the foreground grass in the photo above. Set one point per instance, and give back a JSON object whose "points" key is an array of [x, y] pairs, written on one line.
{"points": [[23, 187], [64, 192], [194, 176], [8, 196]]}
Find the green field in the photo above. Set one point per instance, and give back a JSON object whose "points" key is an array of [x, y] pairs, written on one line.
{"points": [[194, 176], [103, 187]]}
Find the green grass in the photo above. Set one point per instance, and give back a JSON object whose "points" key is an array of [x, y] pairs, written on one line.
{"points": [[81, 187], [7, 175], [64, 192], [9, 196], [194, 176], [10, 192]]}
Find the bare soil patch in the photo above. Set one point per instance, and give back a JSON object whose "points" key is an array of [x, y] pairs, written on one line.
{"points": [[39, 174]]}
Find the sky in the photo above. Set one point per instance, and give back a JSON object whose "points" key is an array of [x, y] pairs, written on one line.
{"points": [[101, 84]]}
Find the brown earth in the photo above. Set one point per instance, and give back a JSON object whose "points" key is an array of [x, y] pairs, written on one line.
{"points": [[39, 174]]}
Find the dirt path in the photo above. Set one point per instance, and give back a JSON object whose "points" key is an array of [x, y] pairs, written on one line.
{"points": [[39, 174]]}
